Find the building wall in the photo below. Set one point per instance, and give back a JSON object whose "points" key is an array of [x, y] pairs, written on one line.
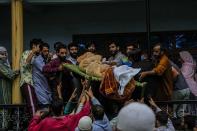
{"points": [[59, 22]]}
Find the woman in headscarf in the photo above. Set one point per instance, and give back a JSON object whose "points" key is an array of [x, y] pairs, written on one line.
{"points": [[6, 75], [188, 70]]}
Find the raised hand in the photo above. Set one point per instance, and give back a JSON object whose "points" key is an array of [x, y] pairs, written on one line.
{"points": [[128, 102], [142, 75], [87, 98], [152, 102], [60, 68], [90, 93], [141, 100], [84, 83], [74, 94]]}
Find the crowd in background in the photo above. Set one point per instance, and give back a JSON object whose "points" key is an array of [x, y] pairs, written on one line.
{"points": [[46, 86]]}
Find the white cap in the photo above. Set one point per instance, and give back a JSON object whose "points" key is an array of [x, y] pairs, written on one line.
{"points": [[136, 117], [85, 123]]}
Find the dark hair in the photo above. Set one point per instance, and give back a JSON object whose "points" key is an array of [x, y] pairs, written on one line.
{"points": [[136, 55], [162, 117], [115, 42], [98, 112], [56, 44], [90, 43], [145, 52], [57, 106], [35, 42], [72, 44], [190, 121], [44, 45], [161, 46], [132, 43], [61, 46]]}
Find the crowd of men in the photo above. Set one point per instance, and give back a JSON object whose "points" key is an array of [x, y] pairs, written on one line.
{"points": [[46, 85]]}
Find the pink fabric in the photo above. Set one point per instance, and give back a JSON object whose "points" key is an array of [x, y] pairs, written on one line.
{"points": [[188, 70], [65, 123]]}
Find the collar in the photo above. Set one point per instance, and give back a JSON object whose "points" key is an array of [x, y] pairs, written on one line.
{"points": [[73, 60]]}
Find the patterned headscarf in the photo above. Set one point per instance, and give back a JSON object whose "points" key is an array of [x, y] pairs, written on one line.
{"points": [[4, 50], [188, 70], [187, 57]]}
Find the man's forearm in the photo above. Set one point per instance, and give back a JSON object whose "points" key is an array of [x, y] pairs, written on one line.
{"points": [[152, 72], [79, 108], [95, 101]]}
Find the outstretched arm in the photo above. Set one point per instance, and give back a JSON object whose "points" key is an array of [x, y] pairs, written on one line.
{"points": [[7, 71]]}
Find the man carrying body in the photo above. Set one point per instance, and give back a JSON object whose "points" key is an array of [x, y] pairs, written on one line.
{"points": [[73, 53], [58, 75], [162, 69]]}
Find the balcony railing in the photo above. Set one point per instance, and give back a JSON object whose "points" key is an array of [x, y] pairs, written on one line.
{"points": [[15, 116]]}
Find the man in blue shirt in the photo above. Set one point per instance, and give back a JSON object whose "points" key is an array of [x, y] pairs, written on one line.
{"points": [[40, 82], [101, 122]]}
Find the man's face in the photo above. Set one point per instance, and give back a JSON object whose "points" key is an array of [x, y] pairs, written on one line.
{"points": [[36, 48], [129, 49], [73, 51], [62, 53], [45, 51], [157, 51], [113, 49], [91, 48]]}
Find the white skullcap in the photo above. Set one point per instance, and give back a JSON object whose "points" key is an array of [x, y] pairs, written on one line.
{"points": [[85, 123], [136, 117]]}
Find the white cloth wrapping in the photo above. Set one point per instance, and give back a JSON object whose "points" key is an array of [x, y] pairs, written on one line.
{"points": [[123, 74]]}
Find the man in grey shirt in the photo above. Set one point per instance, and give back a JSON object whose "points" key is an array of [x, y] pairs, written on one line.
{"points": [[116, 55], [181, 91], [73, 53], [72, 57]]}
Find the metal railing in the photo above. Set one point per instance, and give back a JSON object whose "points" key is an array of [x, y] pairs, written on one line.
{"points": [[15, 116]]}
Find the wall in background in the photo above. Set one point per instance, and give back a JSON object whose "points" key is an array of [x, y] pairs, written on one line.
{"points": [[59, 22]]}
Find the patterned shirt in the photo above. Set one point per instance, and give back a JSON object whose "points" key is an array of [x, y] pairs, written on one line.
{"points": [[6, 75], [72, 60], [117, 58], [6, 71], [25, 69]]}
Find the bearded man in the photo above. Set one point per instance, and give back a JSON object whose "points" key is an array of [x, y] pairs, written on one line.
{"points": [[116, 55], [58, 76], [163, 70]]}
